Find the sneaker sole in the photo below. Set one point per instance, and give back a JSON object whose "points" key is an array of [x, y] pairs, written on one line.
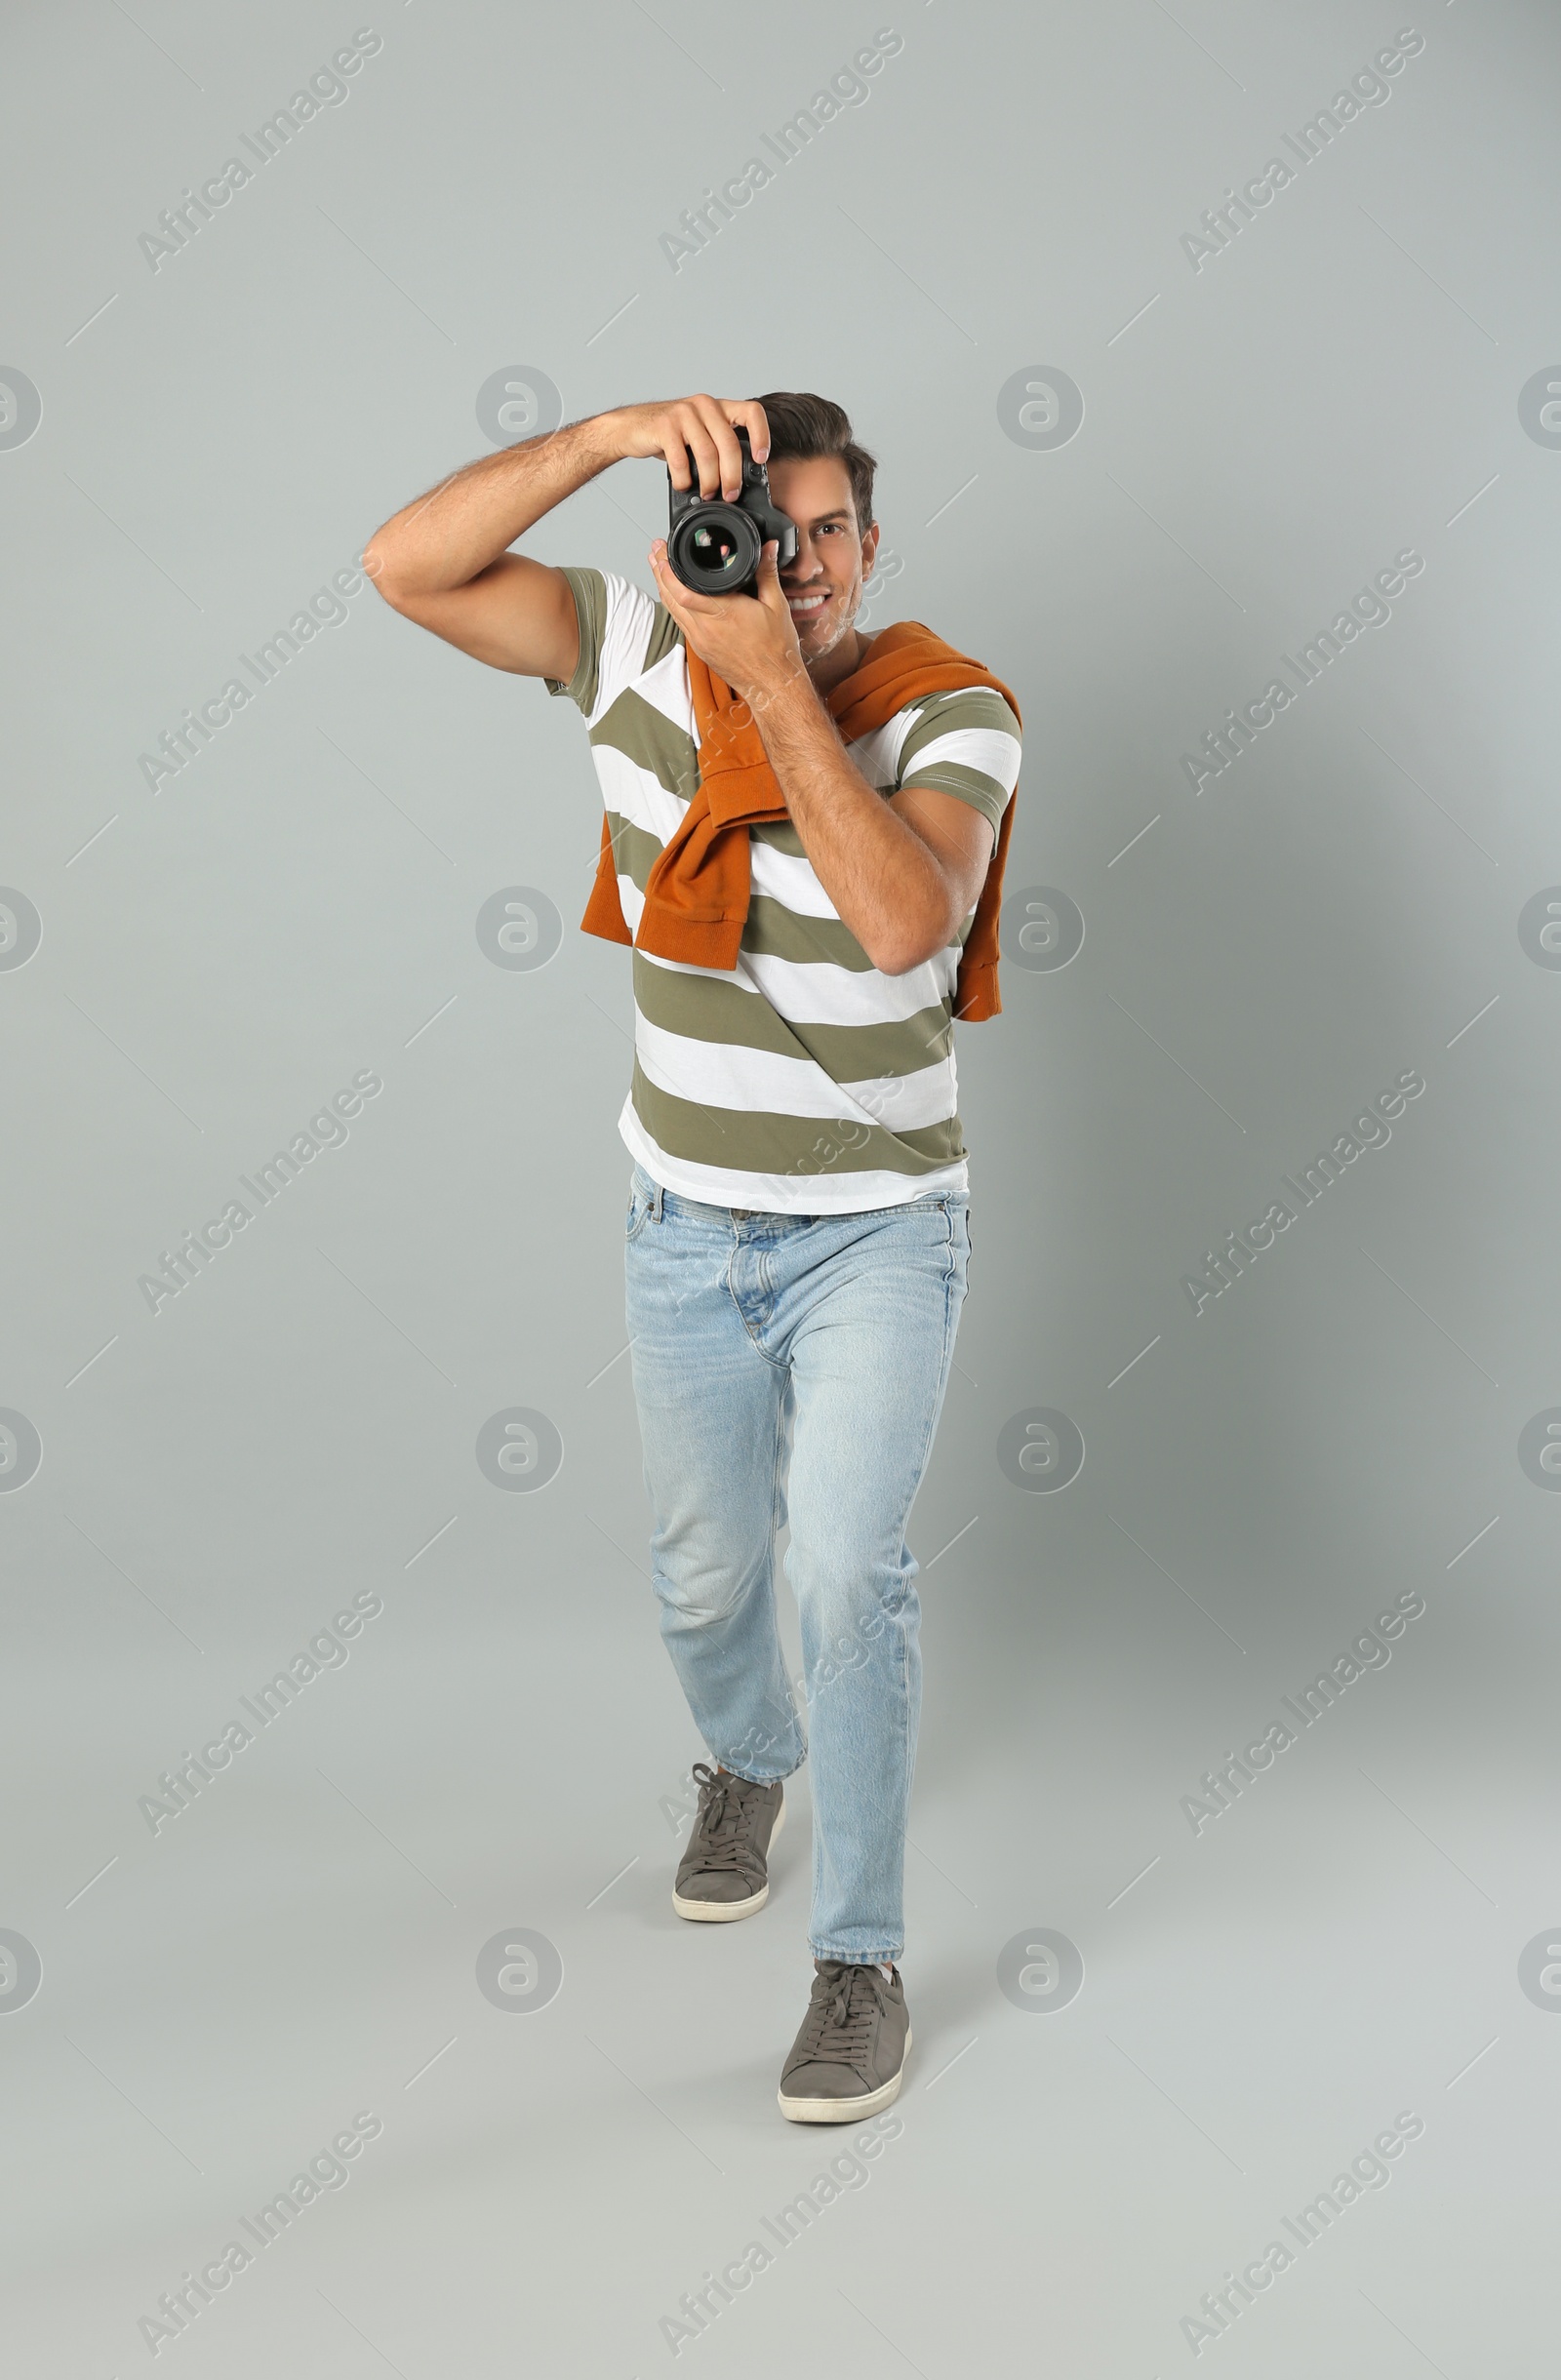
{"points": [[844, 2111], [722, 1913]]}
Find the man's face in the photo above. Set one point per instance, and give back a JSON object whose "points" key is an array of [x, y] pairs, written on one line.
{"points": [[822, 586]]}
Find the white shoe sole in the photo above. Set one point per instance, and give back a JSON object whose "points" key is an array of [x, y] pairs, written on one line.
{"points": [[844, 2111], [721, 1913]]}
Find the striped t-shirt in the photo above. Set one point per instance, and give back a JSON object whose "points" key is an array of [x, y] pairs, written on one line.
{"points": [[805, 1082]]}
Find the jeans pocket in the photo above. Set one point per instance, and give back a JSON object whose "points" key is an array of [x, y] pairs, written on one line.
{"points": [[958, 1212], [639, 1207]]}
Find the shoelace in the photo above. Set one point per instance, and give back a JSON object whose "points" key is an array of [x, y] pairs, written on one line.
{"points": [[838, 2025], [723, 1830]]}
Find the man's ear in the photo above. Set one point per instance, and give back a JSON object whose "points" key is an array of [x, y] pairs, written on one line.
{"points": [[869, 551]]}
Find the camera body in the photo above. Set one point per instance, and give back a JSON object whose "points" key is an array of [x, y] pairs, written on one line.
{"points": [[712, 546]]}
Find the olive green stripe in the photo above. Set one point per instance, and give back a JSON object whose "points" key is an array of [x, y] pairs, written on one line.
{"points": [[665, 635], [753, 1142], [699, 1007], [968, 706], [646, 737], [772, 931], [972, 785], [781, 836], [589, 590], [635, 850]]}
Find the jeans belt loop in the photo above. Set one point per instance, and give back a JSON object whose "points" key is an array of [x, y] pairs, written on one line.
{"points": [[655, 1204]]}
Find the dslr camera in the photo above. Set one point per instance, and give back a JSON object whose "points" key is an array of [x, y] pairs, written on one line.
{"points": [[714, 546]]}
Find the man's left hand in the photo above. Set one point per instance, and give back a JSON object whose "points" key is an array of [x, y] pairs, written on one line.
{"points": [[748, 640]]}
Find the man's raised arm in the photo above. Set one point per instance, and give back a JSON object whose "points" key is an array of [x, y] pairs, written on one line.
{"points": [[444, 561]]}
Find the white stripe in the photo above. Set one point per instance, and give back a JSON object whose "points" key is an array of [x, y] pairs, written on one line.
{"points": [[820, 994], [665, 687], [877, 754], [904, 1102], [988, 749], [783, 876], [783, 1193], [729, 1075], [638, 795], [630, 612]]}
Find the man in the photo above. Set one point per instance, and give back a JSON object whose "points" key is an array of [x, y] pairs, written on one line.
{"points": [[810, 904]]}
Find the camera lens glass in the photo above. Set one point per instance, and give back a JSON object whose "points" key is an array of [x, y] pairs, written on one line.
{"points": [[713, 548]]}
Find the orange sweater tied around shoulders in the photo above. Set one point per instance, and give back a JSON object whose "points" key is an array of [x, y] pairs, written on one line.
{"points": [[697, 897]]}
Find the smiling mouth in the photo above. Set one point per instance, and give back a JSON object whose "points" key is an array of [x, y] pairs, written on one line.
{"points": [[805, 607]]}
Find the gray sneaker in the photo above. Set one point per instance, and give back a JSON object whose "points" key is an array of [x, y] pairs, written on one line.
{"points": [[723, 1873], [849, 2059]]}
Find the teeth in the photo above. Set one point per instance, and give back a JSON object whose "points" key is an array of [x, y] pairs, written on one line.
{"points": [[807, 603]]}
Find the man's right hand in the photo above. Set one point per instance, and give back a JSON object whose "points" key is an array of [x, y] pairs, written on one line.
{"points": [[445, 562], [704, 427]]}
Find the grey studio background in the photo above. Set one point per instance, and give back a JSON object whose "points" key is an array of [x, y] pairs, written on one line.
{"points": [[1139, 459]]}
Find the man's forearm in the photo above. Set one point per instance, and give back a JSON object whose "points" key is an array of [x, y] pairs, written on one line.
{"points": [[883, 879], [441, 539]]}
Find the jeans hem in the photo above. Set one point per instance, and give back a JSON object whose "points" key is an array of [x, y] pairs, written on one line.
{"points": [[861, 1958], [779, 1779]]}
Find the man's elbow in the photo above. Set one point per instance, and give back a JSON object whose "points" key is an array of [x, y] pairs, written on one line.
{"points": [[903, 953], [380, 569]]}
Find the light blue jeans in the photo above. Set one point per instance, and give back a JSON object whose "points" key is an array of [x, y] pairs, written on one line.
{"points": [[785, 1361]]}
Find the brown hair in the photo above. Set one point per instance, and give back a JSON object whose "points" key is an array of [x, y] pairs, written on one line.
{"points": [[803, 426]]}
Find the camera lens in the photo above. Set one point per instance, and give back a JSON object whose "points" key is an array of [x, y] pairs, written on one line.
{"points": [[715, 549]]}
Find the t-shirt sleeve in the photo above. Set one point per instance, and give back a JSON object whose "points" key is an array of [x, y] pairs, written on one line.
{"points": [[615, 620], [589, 590], [966, 743]]}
